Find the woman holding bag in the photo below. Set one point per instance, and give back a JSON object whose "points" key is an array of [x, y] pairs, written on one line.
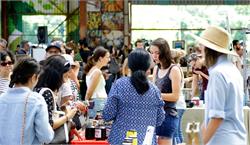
{"points": [[24, 114], [54, 68]]}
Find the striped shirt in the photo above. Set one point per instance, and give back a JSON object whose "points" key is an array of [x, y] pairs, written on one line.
{"points": [[4, 85]]}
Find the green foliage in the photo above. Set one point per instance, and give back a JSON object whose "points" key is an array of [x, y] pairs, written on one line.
{"points": [[47, 6], [242, 10]]}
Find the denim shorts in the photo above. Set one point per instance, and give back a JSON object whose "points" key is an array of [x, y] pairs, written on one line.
{"points": [[168, 126]]}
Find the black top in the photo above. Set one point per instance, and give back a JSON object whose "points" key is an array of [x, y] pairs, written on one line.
{"points": [[165, 86], [48, 97]]}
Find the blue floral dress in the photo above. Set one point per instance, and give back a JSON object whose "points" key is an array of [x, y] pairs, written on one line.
{"points": [[132, 111]]}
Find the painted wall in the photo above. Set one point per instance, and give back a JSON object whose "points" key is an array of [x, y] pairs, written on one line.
{"points": [[105, 19], [105, 23]]}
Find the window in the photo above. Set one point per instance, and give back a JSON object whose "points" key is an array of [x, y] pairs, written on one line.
{"points": [[30, 25]]}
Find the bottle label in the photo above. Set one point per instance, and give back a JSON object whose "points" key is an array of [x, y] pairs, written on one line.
{"points": [[98, 133], [131, 133]]}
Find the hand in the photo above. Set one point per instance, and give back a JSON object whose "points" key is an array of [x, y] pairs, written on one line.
{"points": [[187, 80], [71, 113], [81, 106]]}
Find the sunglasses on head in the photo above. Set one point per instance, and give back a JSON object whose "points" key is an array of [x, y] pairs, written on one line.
{"points": [[5, 63]]}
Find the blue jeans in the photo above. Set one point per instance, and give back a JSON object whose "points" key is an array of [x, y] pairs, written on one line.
{"points": [[98, 106], [178, 136]]}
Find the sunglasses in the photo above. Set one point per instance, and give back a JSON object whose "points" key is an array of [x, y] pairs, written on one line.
{"points": [[5, 63], [238, 49]]}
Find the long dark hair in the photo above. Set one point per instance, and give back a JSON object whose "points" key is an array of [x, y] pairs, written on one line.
{"points": [[99, 52], [165, 52], [24, 70], [53, 69], [211, 56], [139, 62]]}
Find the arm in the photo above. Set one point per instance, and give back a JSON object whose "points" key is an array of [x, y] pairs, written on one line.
{"points": [[204, 75], [111, 107], [208, 132], [48, 97], [175, 76], [44, 131], [238, 65], [93, 84], [55, 123], [195, 84], [61, 120], [217, 94], [201, 73], [188, 80]]}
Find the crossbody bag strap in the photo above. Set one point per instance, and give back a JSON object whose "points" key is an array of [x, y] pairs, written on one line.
{"points": [[24, 118], [54, 101]]}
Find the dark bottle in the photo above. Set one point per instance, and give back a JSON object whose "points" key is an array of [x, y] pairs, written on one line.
{"points": [[90, 133], [98, 115]]}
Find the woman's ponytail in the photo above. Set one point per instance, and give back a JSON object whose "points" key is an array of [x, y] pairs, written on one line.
{"points": [[139, 81]]}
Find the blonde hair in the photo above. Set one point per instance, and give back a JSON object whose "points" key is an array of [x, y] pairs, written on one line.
{"points": [[176, 54]]}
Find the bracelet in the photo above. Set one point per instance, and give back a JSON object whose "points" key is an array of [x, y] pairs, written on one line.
{"points": [[86, 102]]}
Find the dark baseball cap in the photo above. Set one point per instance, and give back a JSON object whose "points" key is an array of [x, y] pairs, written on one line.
{"points": [[54, 45]]}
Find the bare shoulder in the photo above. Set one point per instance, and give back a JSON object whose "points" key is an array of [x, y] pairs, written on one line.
{"points": [[176, 69]]}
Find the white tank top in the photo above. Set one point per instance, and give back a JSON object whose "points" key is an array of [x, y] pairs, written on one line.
{"points": [[181, 104], [99, 91]]}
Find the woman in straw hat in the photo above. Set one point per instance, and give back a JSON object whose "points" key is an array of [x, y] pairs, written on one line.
{"points": [[224, 122]]}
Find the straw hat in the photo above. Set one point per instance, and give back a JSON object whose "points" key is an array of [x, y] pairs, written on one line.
{"points": [[215, 38]]}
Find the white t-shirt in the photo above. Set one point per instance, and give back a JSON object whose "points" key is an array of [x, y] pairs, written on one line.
{"points": [[64, 91]]}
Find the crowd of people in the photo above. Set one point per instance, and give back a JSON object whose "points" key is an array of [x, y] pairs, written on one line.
{"points": [[134, 88]]}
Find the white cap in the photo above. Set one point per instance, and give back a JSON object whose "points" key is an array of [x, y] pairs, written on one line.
{"points": [[69, 58]]}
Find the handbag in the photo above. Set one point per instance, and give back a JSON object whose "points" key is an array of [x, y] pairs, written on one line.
{"points": [[79, 120], [61, 134], [24, 119], [114, 67]]}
